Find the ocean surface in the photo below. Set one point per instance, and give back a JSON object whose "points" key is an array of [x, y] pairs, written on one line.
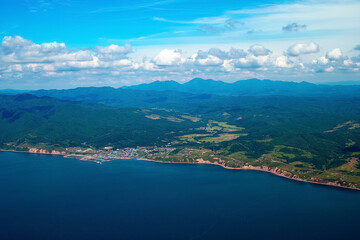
{"points": [[50, 197]]}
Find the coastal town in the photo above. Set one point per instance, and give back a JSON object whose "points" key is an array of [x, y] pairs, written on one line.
{"points": [[170, 154], [107, 153]]}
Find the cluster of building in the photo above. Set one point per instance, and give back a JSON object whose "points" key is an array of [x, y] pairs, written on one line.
{"points": [[108, 153]]}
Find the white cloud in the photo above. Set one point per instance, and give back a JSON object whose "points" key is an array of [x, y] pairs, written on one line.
{"points": [[251, 61], [259, 50], [9, 44], [321, 60], [283, 61], [94, 63], [228, 66], [14, 68], [329, 69], [53, 56], [19, 50], [115, 49], [149, 66], [348, 62], [233, 53], [210, 60], [334, 54], [34, 67], [303, 48], [122, 62], [168, 57]]}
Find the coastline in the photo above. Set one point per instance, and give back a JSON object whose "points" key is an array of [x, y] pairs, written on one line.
{"points": [[252, 168], [275, 171], [42, 153]]}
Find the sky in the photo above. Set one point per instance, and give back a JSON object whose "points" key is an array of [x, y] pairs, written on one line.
{"points": [[65, 44]]}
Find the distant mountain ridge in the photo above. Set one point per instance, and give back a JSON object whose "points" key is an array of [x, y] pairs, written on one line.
{"points": [[342, 83], [251, 87], [12, 91], [198, 94]]}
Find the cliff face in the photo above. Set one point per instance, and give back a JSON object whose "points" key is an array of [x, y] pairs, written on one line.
{"points": [[44, 151]]}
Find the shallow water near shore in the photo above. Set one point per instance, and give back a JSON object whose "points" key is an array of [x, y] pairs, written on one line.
{"points": [[51, 197]]}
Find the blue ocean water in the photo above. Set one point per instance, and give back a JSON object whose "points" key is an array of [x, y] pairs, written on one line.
{"points": [[50, 197]]}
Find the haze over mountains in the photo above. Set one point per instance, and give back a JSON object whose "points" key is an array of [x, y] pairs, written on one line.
{"points": [[251, 87], [202, 96]]}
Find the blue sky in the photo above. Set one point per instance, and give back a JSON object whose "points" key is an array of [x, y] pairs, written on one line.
{"points": [[91, 23], [65, 44]]}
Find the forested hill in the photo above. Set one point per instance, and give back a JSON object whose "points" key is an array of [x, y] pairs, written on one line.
{"points": [[27, 119]]}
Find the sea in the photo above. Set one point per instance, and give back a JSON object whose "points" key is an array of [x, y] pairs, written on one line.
{"points": [[51, 197]]}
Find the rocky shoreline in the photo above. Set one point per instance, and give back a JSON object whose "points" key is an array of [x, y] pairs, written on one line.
{"points": [[44, 151], [276, 171]]}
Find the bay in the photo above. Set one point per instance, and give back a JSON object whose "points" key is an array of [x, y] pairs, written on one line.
{"points": [[51, 197]]}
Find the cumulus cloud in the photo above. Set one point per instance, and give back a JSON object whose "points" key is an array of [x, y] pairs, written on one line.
{"points": [[258, 50], [113, 52], [210, 60], [294, 27], [334, 54], [115, 49], [231, 54], [283, 62], [10, 44], [19, 50], [321, 60], [221, 60], [303, 48], [251, 61], [335, 61], [329, 69], [23, 59], [55, 56], [168, 57]]}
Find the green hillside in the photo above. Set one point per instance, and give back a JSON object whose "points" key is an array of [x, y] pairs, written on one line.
{"points": [[33, 120]]}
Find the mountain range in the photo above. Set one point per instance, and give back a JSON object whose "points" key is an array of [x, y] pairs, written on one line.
{"points": [[252, 87]]}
